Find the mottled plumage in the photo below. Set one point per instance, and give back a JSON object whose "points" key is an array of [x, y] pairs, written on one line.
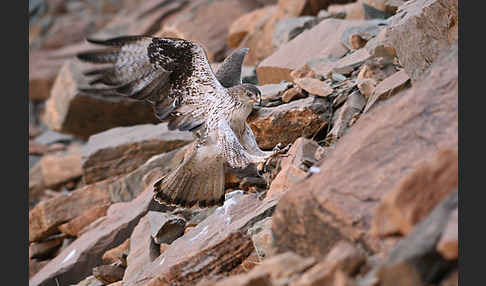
{"points": [[175, 76]]}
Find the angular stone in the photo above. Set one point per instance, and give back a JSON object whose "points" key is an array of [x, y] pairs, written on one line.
{"points": [[36, 148], [366, 86], [43, 249], [121, 150], [285, 123], [416, 195], [292, 94], [46, 216], [314, 86], [420, 31], [303, 71], [142, 248], [165, 228], [338, 201], [414, 258], [323, 41], [347, 64], [354, 104], [343, 257], [73, 112], [388, 87], [247, 24], [108, 273], [272, 93], [115, 254], [307, 7], [78, 259], [76, 225], [451, 280], [59, 168], [283, 267], [259, 41], [301, 156], [448, 243], [209, 247], [207, 26], [261, 236]]}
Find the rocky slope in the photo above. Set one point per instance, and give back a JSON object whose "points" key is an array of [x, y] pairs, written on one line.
{"points": [[365, 91]]}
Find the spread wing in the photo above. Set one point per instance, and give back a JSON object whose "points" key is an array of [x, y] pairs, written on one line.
{"points": [[172, 74]]}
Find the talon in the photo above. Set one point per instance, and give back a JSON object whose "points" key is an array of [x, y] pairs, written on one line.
{"points": [[260, 168], [277, 147]]}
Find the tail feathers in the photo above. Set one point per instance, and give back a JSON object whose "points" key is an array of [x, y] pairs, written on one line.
{"points": [[198, 180]]}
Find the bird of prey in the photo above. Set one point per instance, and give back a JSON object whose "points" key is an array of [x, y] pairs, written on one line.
{"points": [[174, 75]]}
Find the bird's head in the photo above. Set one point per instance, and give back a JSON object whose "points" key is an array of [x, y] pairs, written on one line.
{"points": [[250, 94]]}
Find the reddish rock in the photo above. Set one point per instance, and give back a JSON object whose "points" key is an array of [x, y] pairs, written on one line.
{"points": [[451, 280], [388, 87], [60, 168], [285, 123], [322, 41], [420, 31], [448, 243], [76, 225], [416, 195], [142, 249], [207, 26], [414, 259], [108, 273], [209, 247], [247, 24], [36, 148], [303, 71], [90, 281], [71, 111], [121, 150], [45, 248], [343, 257], [301, 156], [314, 86], [114, 255], [78, 259], [46, 216], [283, 267], [292, 94], [339, 200]]}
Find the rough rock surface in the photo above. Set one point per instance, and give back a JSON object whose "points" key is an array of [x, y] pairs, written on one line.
{"points": [[77, 260], [70, 111], [417, 194], [121, 150], [421, 30], [46, 216], [340, 202], [309, 44], [287, 122], [189, 258]]}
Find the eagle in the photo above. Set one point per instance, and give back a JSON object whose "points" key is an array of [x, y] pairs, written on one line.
{"points": [[174, 75]]}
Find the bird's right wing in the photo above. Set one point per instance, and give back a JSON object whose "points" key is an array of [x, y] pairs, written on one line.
{"points": [[172, 74]]}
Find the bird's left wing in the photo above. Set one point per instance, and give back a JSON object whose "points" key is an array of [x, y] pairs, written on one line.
{"points": [[172, 74]]}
